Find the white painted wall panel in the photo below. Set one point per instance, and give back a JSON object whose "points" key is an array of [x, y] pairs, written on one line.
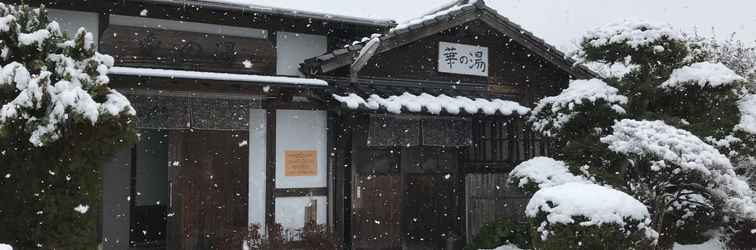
{"points": [[294, 48], [70, 21], [301, 130], [257, 146], [290, 211]]}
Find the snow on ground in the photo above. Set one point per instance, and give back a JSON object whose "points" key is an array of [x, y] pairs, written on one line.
{"points": [[601, 205], [635, 33], [5, 247], [543, 171], [713, 244], [578, 93], [747, 106], [703, 74], [433, 104], [506, 247]]}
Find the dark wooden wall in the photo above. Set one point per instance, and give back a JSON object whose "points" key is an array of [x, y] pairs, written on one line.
{"points": [[511, 64]]}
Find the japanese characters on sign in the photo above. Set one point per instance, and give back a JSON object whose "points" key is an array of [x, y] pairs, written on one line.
{"points": [[462, 59], [301, 163]]}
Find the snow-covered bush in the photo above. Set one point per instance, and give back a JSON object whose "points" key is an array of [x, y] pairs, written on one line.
{"points": [[576, 106], [681, 141], [680, 172], [542, 172], [59, 122], [588, 216]]}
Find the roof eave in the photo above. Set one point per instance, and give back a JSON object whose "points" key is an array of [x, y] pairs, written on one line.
{"points": [[277, 11]]}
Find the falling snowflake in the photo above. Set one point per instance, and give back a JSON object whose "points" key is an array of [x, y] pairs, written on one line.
{"points": [[247, 64], [82, 209], [144, 12], [243, 143]]}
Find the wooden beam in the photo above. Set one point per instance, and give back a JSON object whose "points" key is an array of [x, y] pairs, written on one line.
{"points": [[270, 167]]}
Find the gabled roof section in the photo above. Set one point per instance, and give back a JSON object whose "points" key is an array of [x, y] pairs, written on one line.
{"points": [[243, 6], [448, 16]]}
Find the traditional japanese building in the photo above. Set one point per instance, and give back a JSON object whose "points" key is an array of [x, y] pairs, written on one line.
{"points": [[394, 136]]}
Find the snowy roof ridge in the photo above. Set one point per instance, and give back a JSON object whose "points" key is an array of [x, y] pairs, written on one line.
{"points": [[448, 9], [246, 5], [169, 73], [425, 102], [444, 15]]}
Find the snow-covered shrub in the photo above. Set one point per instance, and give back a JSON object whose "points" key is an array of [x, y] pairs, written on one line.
{"points": [[673, 102], [542, 172], [576, 106], [700, 174], [59, 122], [588, 216]]}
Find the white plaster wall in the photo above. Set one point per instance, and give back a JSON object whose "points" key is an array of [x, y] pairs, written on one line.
{"points": [[290, 211], [293, 48], [257, 145], [301, 130], [70, 21]]}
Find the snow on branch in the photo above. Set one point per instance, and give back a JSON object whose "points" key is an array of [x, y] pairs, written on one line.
{"points": [[543, 172], [552, 113], [684, 153], [702, 74], [747, 107], [57, 83], [633, 33]]}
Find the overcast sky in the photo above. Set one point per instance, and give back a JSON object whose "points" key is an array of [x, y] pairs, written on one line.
{"points": [[560, 22]]}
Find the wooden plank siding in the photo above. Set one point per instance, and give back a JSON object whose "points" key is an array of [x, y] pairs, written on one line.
{"points": [[514, 68], [489, 197]]}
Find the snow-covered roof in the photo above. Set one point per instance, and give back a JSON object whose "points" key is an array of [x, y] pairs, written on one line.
{"points": [[248, 5], [433, 104], [444, 16], [184, 74]]}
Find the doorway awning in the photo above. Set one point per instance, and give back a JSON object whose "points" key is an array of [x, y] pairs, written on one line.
{"points": [[433, 104]]}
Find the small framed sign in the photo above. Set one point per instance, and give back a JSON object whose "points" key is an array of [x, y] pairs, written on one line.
{"points": [[301, 163], [462, 59]]}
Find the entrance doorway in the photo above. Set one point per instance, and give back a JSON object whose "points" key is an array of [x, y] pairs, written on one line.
{"points": [[405, 198], [191, 189]]}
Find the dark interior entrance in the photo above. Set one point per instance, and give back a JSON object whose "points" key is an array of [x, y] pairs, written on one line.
{"points": [[191, 189], [405, 198], [209, 190]]}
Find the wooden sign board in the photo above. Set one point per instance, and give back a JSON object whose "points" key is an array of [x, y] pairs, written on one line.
{"points": [[462, 59], [301, 163], [155, 48]]}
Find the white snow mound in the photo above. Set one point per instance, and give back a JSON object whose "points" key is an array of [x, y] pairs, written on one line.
{"points": [[599, 204], [543, 171], [703, 74]]}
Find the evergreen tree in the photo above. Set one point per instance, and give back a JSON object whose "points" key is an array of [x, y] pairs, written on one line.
{"points": [[662, 125], [59, 122]]}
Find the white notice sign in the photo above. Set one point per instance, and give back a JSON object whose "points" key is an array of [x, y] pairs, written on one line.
{"points": [[462, 59]]}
